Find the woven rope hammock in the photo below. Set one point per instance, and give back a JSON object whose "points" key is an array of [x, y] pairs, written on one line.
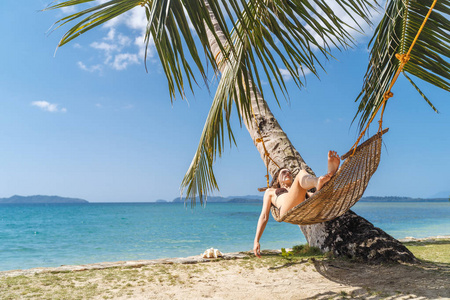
{"points": [[343, 190]]}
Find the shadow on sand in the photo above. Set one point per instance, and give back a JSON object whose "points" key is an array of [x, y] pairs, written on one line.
{"points": [[426, 280]]}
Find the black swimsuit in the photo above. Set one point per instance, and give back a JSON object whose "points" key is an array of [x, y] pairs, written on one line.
{"points": [[278, 192]]}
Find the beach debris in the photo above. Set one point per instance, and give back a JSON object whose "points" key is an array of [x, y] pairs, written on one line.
{"points": [[211, 253]]}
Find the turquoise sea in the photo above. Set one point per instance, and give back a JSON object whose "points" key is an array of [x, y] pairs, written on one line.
{"points": [[42, 235]]}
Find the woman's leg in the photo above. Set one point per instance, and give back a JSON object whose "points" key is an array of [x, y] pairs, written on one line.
{"points": [[308, 181], [297, 193]]}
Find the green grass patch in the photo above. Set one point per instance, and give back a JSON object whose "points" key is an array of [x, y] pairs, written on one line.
{"points": [[432, 251], [307, 251], [303, 251]]}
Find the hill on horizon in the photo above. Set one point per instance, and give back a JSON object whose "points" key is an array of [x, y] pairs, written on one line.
{"points": [[229, 199], [259, 198], [401, 199], [40, 199], [443, 194]]}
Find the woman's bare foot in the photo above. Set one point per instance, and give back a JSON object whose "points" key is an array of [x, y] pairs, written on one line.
{"points": [[322, 180], [333, 162]]}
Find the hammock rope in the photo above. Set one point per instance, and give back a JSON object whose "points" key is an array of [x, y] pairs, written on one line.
{"points": [[348, 184], [403, 58]]}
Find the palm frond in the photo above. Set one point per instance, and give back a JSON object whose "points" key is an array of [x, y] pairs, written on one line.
{"points": [[199, 180], [279, 34], [430, 56], [240, 80]]}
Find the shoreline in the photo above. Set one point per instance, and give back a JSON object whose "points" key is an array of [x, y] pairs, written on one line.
{"points": [[128, 264], [240, 275], [171, 260]]}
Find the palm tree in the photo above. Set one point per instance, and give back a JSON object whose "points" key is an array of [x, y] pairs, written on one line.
{"points": [[265, 35]]}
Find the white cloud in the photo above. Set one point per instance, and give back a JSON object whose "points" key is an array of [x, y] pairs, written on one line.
{"points": [[104, 46], [123, 45], [139, 42], [90, 69], [343, 16], [121, 61], [304, 71], [68, 10], [287, 75], [50, 107], [137, 19], [111, 34], [123, 40]]}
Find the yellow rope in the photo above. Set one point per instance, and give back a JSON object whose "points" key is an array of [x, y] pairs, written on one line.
{"points": [[403, 58], [266, 153], [220, 61], [215, 57]]}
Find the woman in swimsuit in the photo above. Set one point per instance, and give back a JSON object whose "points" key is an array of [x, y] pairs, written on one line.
{"points": [[286, 192]]}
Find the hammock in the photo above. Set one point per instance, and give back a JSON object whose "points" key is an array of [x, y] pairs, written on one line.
{"points": [[343, 190]]}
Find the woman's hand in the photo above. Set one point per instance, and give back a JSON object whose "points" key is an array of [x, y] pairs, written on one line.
{"points": [[257, 249]]}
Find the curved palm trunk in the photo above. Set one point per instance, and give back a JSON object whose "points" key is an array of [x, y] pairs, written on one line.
{"points": [[349, 235]]}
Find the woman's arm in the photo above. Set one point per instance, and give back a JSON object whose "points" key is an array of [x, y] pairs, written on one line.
{"points": [[263, 219]]}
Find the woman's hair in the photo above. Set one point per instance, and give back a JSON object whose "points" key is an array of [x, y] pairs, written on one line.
{"points": [[274, 183]]}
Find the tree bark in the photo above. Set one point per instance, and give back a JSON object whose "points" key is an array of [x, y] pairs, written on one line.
{"points": [[347, 236]]}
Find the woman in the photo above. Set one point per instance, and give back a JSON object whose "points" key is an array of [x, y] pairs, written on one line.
{"points": [[286, 192]]}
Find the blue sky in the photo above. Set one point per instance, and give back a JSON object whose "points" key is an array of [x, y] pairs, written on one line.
{"points": [[91, 123]]}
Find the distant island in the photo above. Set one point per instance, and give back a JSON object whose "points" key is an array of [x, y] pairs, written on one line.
{"points": [[258, 199], [230, 199], [39, 199], [401, 199]]}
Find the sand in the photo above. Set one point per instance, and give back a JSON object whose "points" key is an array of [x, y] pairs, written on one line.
{"points": [[236, 276]]}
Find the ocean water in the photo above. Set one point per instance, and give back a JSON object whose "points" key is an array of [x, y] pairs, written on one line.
{"points": [[52, 235]]}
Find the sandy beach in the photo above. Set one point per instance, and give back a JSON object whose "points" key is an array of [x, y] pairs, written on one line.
{"points": [[238, 276]]}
